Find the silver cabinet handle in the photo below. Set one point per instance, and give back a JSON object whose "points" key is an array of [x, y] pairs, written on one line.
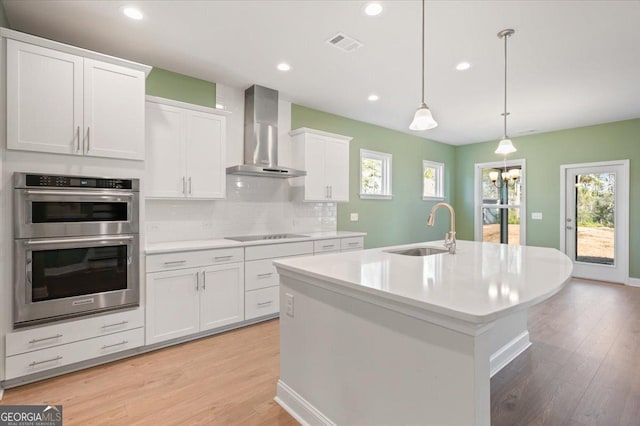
{"points": [[197, 281], [353, 244], [330, 191], [174, 262], [222, 257], [88, 139], [57, 336], [78, 139], [189, 185], [115, 324], [329, 246], [265, 275], [184, 185], [265, 303], [204, 280], [34, 363], [124, 342]]}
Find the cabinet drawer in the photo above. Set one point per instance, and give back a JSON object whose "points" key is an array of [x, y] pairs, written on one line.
{"points": [[190, 259], [261, 302], [260, 274], [270, 251], [352, 243], [58, 356], [324, 246], [72, 331]]}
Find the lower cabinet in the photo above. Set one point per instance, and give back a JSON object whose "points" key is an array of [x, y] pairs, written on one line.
{"points": [[43, 348], [185, 301]]}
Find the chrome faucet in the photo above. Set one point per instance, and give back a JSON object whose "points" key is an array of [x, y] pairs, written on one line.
{"points": [[449, 237]]}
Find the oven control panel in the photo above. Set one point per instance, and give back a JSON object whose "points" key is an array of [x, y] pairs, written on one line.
{"points": [[76, 182]]}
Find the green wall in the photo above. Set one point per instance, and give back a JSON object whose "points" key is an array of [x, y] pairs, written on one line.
{"points": [[544, 153], [4, 22], [179, 87], [387, 222]]}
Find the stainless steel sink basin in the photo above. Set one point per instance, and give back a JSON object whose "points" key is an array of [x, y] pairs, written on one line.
{"points": [[419, 251]]}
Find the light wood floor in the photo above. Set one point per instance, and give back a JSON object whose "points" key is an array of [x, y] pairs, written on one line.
{"points": [[582, 369]]}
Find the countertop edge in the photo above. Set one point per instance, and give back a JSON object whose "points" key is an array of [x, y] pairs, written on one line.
{"points": [[221, 243]]}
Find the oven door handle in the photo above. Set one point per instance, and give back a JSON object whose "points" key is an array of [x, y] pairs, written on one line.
{"points": [[79, 193], [77, 240]]}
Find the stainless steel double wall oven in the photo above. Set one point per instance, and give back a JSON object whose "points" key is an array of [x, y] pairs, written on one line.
{"points": [[76, 246]]}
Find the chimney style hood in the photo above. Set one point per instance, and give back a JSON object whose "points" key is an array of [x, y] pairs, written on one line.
{"points": [[261, 136]]}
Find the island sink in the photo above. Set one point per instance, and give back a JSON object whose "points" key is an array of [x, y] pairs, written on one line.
{"points": [[419, 251]]}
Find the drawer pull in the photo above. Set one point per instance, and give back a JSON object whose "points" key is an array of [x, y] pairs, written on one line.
{"points": [[175, 262], [265, 275], [34, 363], [115, 324], [57, 336], [265, 303], [329, 246], [222, 257], [354, 244], [124, 342]]}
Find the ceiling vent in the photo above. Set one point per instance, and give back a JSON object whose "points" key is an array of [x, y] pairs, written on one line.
{"points": [[344, 42]]}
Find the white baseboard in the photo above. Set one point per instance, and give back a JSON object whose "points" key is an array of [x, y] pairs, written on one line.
{"points": [[634, 282], [299, 408], [509, 352]]}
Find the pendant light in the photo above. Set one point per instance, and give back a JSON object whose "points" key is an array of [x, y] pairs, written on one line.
{"points": [[505, 146], [423, 120]]}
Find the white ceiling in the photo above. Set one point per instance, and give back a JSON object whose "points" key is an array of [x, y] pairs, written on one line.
{"points": [[571, 63]]}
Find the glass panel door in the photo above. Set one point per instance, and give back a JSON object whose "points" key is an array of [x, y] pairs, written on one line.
{"points": [[595, 219]]}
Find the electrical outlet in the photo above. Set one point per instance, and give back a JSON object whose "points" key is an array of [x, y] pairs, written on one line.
{"points": [[354, 217], [289, 304]]}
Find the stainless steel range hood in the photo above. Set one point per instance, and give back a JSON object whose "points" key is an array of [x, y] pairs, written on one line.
{"points": [[261, 136]]}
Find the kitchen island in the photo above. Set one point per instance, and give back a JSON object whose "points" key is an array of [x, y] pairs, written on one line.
{"points": [[377, 337]]}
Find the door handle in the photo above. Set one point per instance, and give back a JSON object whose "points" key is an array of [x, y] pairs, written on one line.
{"points": [[569, 227]]}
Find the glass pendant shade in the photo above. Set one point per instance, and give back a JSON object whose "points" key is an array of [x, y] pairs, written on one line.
{"points": [[423, 120], [505, 147]]}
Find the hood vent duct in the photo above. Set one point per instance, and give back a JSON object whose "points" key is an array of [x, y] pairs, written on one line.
{"points": [[261, 136]]}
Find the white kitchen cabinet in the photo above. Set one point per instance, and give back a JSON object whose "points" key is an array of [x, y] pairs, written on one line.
{"points": [[63, 103], [185, 151], [181, 302], [325, 157]]}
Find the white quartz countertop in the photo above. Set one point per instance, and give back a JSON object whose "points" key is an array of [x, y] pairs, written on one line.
{"points": [[175, 246], [478, 284]]}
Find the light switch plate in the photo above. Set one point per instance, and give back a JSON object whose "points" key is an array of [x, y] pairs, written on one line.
{"points": [[536, 216], [354, 217]]}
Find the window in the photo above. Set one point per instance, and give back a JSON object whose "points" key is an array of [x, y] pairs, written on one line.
{"points": [[432, 180], [375, 174]]}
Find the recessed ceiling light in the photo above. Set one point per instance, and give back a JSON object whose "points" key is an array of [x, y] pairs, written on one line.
{"points": [[132, 13], [463, 66], [373, 97], [373, 9], [283, 66]]}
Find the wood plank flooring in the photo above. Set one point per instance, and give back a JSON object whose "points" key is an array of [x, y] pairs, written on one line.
{"points": [[582, 369]]}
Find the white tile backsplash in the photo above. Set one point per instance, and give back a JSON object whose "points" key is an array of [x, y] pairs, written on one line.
{"points": [[254, 205]]}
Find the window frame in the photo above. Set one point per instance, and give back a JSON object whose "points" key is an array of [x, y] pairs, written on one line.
{"points": [[386, 188], [439, 180]]}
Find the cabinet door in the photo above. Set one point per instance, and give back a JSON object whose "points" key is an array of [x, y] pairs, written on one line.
{"points": [[205, 155], [113, 111], [172, 304], [315, 186], [222, 296], [44, 99], [165, 157], [336, 161]]}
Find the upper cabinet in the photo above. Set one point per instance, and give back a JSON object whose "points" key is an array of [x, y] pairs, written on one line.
{"points": [[67, 103], [325, 157], [185, 151]]}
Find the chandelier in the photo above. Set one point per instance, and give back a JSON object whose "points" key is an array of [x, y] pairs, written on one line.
{"points": [[506, 176]]}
